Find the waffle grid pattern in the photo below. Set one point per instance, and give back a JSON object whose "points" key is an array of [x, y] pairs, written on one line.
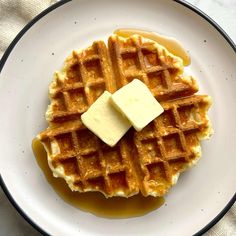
{"points": [[93, 165], [166, 146], [146, 161], [152, 64], [87, 76]]}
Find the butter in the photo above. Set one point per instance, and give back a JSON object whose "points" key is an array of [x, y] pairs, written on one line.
{"points": [[104, 120], [137, 103]]}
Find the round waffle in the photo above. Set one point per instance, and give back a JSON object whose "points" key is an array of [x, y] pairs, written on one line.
{"points": [[149, 161]]}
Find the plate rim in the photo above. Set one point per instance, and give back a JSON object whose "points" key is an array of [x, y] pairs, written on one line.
{"points": [[3, 60]]}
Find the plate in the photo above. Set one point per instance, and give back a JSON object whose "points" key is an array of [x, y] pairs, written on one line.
{"points": [[202, 195]]}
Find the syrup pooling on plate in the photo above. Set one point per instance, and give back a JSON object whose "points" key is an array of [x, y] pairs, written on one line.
{"points": [[171, 44], [95, 202]]}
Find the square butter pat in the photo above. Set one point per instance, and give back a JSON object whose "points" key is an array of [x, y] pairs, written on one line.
{"points": [[137, 103], [104, 120]]}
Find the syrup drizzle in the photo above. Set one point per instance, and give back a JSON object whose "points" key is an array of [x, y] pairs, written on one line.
{"points": [[95, 202], [171, 44]]}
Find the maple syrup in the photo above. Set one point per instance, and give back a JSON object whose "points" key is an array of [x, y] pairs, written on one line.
{"points": [[171, 44], [95, 202]]}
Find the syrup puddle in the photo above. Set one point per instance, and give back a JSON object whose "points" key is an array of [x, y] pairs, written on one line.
{"points": [[94, 202]]}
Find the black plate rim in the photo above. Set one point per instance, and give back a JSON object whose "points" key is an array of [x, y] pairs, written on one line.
{"points": [[41, 15]]}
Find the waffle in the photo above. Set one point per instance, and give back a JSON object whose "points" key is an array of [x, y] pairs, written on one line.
{"points": [[148, 161]]}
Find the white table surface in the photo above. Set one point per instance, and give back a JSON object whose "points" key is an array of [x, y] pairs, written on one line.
{"points": [[223, 12]]}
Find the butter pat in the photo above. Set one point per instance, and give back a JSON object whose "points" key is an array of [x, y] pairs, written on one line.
{"points": [[105, 121], [137, 103]]}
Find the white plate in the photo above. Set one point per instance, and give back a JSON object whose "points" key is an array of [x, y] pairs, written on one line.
{"points": [[27, 68]]}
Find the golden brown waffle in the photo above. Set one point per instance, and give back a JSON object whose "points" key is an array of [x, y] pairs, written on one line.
{"points": [[140, 58], [171, 143], [148, 161], [85, 76]]}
